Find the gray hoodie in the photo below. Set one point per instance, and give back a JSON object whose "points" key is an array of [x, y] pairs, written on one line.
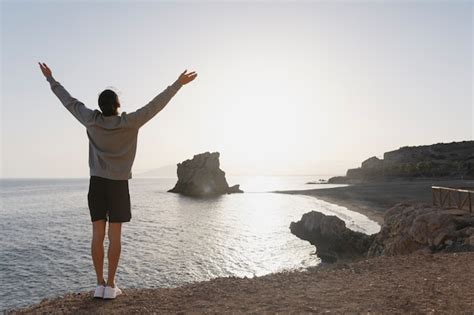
{"points": [[112, 139]]}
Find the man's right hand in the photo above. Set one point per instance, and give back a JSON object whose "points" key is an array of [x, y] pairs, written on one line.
{"points": [[45, 69], [185, 78]]}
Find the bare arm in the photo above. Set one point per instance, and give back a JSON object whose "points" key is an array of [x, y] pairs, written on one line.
{"points": [[77, 108], [147, 112]]}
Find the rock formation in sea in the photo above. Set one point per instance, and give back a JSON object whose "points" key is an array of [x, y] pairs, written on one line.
{"points": [[407, 228], [441, 160], [202, 176], [333, 240]]}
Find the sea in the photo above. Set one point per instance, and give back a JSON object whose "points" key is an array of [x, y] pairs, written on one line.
{"points": [[45, 234]]}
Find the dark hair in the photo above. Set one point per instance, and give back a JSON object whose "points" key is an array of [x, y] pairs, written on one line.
{"points": [[108, 103]]}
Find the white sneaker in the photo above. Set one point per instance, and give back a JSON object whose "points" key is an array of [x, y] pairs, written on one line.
{"points": [[111, 293], [99, 291]]}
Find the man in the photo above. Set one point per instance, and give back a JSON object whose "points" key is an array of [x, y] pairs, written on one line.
{"points": [[112, 148]]}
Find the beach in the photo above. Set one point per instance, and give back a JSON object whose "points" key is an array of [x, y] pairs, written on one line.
{"points": [[373, 199]]}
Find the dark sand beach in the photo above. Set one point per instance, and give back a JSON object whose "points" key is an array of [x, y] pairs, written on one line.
{"points": [[373, 199], [416, 283]]}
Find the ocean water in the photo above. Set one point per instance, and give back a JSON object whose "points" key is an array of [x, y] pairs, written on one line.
{"points": [[45, 235]]}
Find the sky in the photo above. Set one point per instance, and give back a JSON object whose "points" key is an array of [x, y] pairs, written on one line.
{"points": [[300, 87]]}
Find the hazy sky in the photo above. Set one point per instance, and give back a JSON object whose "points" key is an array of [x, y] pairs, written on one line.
{"points": [[283, 88]]}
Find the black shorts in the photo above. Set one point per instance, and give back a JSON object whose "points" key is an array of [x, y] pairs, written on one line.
{"points": [[109, 200]]}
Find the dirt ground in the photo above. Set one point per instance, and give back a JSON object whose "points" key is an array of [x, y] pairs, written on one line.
{"points": [[418, 283]]}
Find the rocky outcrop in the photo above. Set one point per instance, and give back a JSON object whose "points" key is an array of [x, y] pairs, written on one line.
{"points": [[406, 229], [338, 180], [202, 176], [373, 162], [333, 240], [410, 228], [441, 160]]}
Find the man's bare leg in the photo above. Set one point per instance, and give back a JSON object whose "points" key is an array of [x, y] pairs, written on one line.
{"points": [[97, 249], [114, 233]]}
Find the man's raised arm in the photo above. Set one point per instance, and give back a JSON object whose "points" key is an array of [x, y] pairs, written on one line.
{"points": [[139, 117], [77, 108]]}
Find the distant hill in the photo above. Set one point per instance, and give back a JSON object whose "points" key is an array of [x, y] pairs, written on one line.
{"points": [[441, 160], [164, 171]]}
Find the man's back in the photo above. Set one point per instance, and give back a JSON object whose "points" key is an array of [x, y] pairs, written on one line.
{"points": [[113, 139], [112, 146]]}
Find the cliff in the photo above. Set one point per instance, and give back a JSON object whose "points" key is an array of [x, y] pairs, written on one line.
{"points": [[442, 160]]}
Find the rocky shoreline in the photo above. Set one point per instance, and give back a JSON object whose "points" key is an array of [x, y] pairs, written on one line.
{"points": [[407, 228]]}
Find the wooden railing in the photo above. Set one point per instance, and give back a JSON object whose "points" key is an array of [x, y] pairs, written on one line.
{"points": [[445, 197]]}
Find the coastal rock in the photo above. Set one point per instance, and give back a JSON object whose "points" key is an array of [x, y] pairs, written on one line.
{"points": [[234, 189], [338, 180], [409, 228], [333, 240], [441, 160], [201, 176]]}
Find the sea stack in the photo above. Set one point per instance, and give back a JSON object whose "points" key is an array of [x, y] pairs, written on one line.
{"points": [[201, 176]]}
